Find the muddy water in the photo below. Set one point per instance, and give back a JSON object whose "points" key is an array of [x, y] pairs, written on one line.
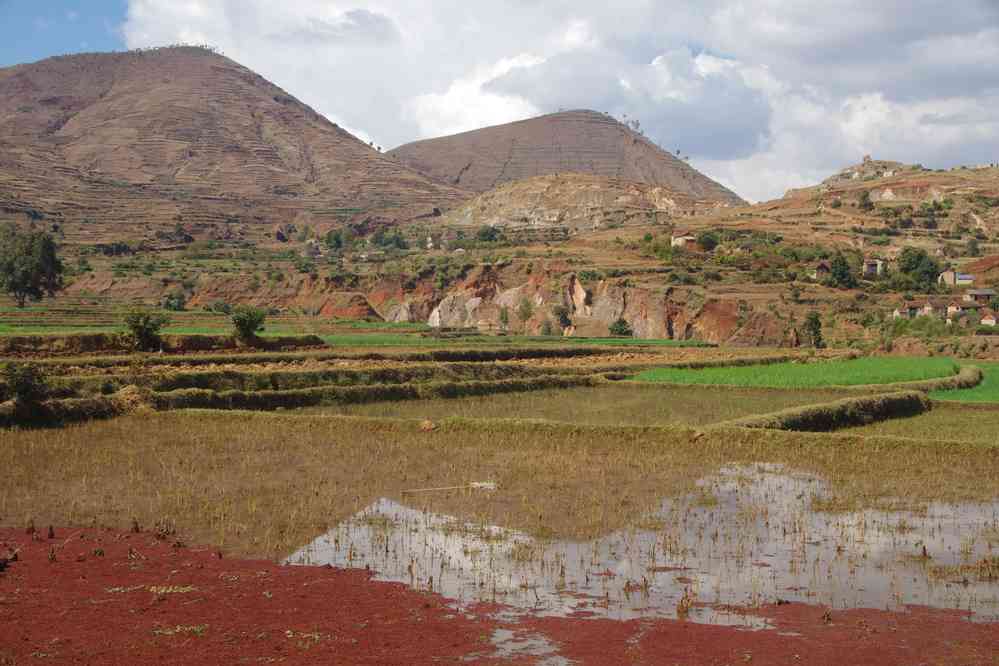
{"points": [[748, 537]]}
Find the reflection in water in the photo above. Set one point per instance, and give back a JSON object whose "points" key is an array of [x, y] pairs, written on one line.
{"points": [[748, 537]]}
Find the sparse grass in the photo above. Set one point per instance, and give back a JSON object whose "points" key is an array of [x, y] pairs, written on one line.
{"points": [[614, 404], [987, 391], [856, 372], [265, 484], [944, 422]]}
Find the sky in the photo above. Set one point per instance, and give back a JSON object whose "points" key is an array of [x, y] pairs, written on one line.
{"points": [[762, 95]]}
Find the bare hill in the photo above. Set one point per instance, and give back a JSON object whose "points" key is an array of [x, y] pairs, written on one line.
{"points": [[569, 203], [186, 135], [572, 141]]}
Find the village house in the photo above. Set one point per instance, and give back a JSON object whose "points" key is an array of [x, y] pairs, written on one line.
{"points": [[682, 239], [989, 319], [906, 311], [955, 279], [821, 272], [873, 268], [921, 308], [979, 295], [933, 308], [958, 308]]}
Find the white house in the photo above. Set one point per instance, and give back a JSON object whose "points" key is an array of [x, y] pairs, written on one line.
{"points": [[681, 240]]}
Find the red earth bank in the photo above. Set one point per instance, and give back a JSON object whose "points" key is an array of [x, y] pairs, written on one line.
{"points": [[104, 597]]}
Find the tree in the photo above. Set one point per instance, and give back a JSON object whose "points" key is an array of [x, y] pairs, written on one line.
{"points": [[865, 202], [561, 313], [840, 273], [175, 302], [248, 321], [487, 234], [918, 268], [621, 328], [813, 330], [145, 327], [504, 317], [972, 249], [525, 309], [707, 240], [29, 265]]}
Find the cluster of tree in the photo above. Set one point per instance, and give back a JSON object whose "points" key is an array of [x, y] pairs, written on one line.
{"points": [[146, 326], [915, 270]]}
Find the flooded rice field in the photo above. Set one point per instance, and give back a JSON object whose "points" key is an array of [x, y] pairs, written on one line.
{"points": [[749, 536]]}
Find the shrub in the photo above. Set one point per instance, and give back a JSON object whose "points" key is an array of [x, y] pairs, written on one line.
{"points": [[248, 321], [25, 383], [621, 328], [145, 327]]}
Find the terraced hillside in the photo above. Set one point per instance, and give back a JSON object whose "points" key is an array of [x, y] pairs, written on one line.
{"points": [[572, 141], [185, 135]]}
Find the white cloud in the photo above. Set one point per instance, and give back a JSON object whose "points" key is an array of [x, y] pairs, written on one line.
{"points": [[763, 94], [465, 105]]}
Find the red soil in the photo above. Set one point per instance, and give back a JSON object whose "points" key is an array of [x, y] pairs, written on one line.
{"points": [[109, 597]]}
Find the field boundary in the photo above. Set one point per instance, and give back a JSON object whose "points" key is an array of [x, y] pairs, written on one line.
{"points": [[432, 356], [829, 416], [322, 395], [967, 376]]}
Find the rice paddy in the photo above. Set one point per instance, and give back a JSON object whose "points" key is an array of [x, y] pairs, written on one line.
{"points": [[987, 391], [945, 422], [614, 498], [854, 372], [617, 405]]}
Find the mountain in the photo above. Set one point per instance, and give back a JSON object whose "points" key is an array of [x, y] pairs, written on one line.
{"points": [[572, 141], [186, 135]]}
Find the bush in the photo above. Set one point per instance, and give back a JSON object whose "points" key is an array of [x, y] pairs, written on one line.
{"points": [[25, 383], [621, 328], [145, 327], [248, 321]]}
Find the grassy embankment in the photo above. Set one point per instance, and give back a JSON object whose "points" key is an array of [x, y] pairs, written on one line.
{"points": [[855, 372], [265, 484]]}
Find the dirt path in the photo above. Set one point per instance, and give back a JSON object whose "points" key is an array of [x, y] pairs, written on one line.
{"points": [[96, 596]]}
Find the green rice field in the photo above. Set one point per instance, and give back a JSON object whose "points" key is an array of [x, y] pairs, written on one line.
{"points": [[987, 391], [855, 372]]}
